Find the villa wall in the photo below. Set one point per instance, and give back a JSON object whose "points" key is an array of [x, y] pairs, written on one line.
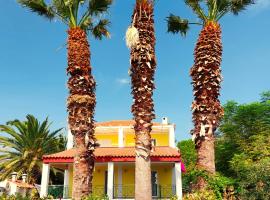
{"points": [[112, 137], [162, 139], [164, 174]]}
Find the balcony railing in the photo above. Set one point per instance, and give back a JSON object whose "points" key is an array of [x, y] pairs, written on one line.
{"points": [[158, 191], [119, 191], [58, 191]]}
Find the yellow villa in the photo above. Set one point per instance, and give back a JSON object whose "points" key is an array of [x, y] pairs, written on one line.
{"points": [[114, 173]]}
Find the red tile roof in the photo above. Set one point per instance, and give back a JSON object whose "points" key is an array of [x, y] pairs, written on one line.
{"points": [[121, 123], [116, 154]]}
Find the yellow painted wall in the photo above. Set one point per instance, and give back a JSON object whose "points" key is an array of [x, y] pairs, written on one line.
{"points": [[99, 175], [164, 173], [128, 180], [128, 174], [164, 176], [128, 177], [112, 136], [162, 139]]}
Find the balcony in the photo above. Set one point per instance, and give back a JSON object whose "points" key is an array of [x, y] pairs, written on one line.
{"points": [[119, 191]]}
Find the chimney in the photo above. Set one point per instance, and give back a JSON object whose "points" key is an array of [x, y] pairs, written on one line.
{"points": [[24, 176], [165, 120], [14, 176]]}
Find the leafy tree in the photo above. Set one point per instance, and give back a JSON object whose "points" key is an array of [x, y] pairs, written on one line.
{"points": [[188, 154], [206, 72], [265, 96], [189, 157], [81, 17], [141, 39], [216, 184], [24, 145], [242, 150]]}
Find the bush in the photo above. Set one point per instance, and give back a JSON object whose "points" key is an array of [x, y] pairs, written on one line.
{"points": [[201, 195], [95, 197], [217, 184]]}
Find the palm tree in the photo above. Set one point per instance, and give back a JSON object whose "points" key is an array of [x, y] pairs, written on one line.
{"points": [[25, 144], [81, 17], [206, 72], [141, 39]]}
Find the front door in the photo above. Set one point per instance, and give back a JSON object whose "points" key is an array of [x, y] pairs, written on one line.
{"points": [[154, 183]]}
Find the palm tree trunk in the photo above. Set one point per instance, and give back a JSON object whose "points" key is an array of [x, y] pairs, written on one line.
{"points": [[143, 65], [81, 104], [207, 111]]}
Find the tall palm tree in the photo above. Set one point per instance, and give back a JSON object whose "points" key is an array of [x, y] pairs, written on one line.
{"points": [[81, 17], [141, 39], [206, 72], [26, 142]]}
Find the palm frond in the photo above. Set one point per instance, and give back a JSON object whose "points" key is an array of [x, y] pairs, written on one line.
{"points": [[101, 29], [197, 9], [223, 5], [86, 23], [38, 6], [61, 8], [240, 5], [97, 7], [177, 25], [25, 144]]}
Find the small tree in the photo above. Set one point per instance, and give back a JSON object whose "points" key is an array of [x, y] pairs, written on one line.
{"points": [[25, 144]]}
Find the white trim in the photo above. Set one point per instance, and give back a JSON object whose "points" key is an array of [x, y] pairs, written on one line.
{"points": [[66, 181], [110, 180], [172, 136], [178, 180], [131, 127], [69, 140], [44, 180], [121, 137], [173, 176], [13, 188]]}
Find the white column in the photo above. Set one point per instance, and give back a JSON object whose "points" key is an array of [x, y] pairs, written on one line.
{"points": [[178, 180], [66, 182], [110, 180], [121, 137], [69, 140], [13, 188], [172, 136], [45, 180], [120, 180]]}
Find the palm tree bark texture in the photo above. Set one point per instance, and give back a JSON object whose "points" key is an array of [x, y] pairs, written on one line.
{"points": [[81, 104], [143, 66], [206, 79]]}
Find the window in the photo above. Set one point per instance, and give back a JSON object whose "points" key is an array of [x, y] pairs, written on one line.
{"points": [[154, 181], [154, 142]]}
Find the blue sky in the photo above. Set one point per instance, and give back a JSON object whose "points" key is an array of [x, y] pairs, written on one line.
{"points": [[33, 62]]}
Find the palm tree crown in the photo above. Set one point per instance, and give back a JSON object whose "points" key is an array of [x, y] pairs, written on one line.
{"points": [[25, 144], [206, 11], [85, 14]]}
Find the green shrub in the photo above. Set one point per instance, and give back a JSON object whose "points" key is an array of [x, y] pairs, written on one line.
{"points": [[201, 195], [96, 197], [217, 183]]}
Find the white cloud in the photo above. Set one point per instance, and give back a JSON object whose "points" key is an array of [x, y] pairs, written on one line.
{"points": [[122, 81]]}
